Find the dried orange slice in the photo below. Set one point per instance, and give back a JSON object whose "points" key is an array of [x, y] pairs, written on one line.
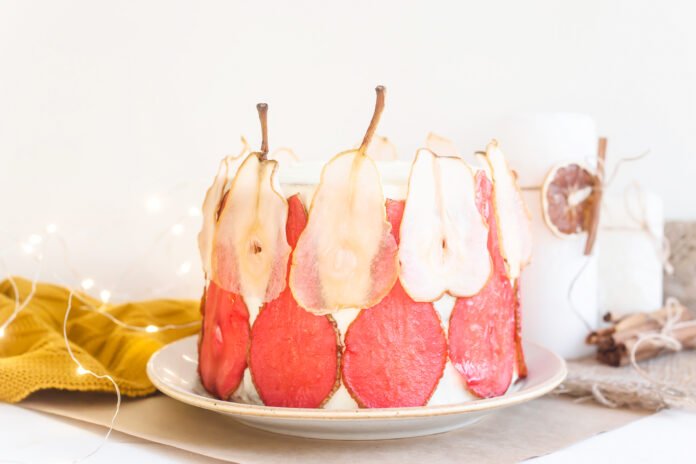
{"points": [[566, 199]]}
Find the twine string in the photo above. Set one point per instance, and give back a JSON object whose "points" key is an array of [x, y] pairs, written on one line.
{"points": [[666, 339], [571, 289]]}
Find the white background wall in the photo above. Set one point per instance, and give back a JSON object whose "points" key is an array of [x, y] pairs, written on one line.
{"points": [[105, 103]]}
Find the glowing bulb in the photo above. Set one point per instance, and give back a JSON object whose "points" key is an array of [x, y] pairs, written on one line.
{"points": [[87, 284], [2, 332], [81, 370], [153, 204], [194, 211], [35, 239], [177, 229], [27, 248], [105, 296], [185, 268], [151, 329], [51, 228]]}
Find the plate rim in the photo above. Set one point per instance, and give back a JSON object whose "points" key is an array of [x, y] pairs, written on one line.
{"points": [[260, 411]]}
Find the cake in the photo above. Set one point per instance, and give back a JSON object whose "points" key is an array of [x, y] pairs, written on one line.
{"points": [[362, 283]]}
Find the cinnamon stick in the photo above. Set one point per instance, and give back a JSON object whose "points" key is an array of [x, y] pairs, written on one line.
{"points": [[615, 343], [597, 191]]}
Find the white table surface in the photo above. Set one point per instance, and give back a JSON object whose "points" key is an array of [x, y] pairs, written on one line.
{"points": [[33, 437]]}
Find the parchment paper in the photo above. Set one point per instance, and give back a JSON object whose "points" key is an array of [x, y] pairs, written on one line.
{"points": [[511, 435]]}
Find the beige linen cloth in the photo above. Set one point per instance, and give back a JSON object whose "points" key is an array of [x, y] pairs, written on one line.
{"points": [[510, 435]]}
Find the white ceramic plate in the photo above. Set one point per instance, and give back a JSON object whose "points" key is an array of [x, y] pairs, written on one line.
{"points": [[173, 370]]}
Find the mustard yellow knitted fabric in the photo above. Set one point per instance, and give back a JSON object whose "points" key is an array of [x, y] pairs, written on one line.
{"points": [[33, 354]]}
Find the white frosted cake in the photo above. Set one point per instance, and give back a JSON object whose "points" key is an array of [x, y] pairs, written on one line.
{"points": [[357, 283]]}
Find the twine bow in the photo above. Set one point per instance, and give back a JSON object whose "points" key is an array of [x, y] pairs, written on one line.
{"points": [[666, 339]]}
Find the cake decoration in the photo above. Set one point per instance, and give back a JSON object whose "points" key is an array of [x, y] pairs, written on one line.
{"points": [[346, 256], [382, 149], [512, 216], [285, 336], [385, 294], [212, 203], [481, 340], [250, 250], [395, 351], [443, 236], [222, 348]]}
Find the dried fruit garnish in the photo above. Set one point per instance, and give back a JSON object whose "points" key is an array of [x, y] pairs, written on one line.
{"points": [[482, 327], [250, 250], [212, 205], [443, 236], [395, 351], [512, 216], [222, 350], [567, 199], [346, 256], [294, 354]]}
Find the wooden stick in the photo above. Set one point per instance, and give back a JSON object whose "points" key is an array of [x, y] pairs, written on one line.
{"points": [[597, 192], [615, 344]]}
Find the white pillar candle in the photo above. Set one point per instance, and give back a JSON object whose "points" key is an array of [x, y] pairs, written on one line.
{"points": [[534, 144], [630, 261]]}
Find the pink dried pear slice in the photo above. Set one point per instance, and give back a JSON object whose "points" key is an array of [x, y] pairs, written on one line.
{"points": [[223, 342], [406, 370], [250, 250], [512, 215], [521, 363], [346, 256], [212, 204], [482, 327], [294, 355], [443, 235]]}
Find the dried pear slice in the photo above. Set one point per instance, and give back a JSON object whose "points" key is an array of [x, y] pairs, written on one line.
{"points": [[512, 215], [566, 199], [250, 250], [482, 327], [224, 342], [213, 202], [346, 256], [308, 374], [443, 246], [407, 370], [284, 152], [442, 146], [382, 149]]}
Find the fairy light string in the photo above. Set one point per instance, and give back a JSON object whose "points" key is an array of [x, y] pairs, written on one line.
{"points": [[81, 370]]}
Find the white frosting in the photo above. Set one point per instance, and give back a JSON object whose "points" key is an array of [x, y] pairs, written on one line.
{"points": [[253, 306], [246, 392], [344, 318], [451, 388], [444, 307], [341, 399]]}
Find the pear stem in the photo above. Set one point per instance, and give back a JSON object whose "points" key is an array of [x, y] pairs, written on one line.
{"points": [[379, 107], [262, 108]]}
